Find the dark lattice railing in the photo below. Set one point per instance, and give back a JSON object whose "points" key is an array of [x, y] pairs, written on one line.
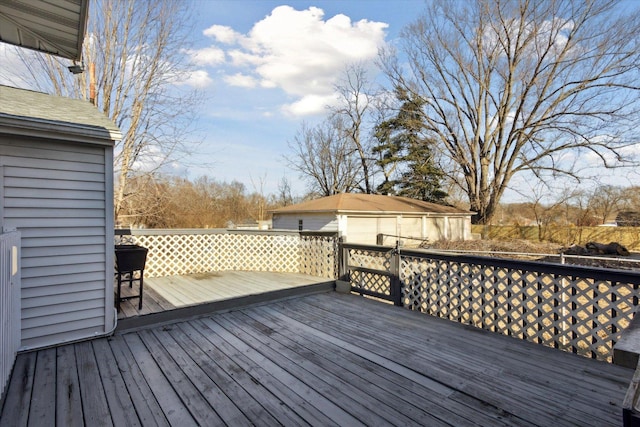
{"points": [[578, 309]]}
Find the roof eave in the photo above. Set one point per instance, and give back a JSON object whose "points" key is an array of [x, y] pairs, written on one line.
{"points": [[51, 129], [350, 212], [82, 29]]}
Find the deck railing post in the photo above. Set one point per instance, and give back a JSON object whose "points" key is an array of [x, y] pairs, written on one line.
{"points": [[343, 261], [396, 283]]}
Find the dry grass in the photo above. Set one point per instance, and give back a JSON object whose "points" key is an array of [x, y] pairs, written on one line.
{"points": [[540, 248], [524, 246], [566, 236]]}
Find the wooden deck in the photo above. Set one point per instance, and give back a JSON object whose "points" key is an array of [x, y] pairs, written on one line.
{"points": [[175, 297], [322, 359]]}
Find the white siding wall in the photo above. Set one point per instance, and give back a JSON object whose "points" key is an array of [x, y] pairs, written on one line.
{"points": [[411, 227], [362, 230], [56, 195], [436, 229], [310, 222], [460, 228]]}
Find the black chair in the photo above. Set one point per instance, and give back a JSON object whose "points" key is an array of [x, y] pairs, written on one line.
{"points": [[130, 259]]}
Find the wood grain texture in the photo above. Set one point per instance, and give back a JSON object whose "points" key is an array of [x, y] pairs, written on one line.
{"points": [[171, 292], [320, 359]]}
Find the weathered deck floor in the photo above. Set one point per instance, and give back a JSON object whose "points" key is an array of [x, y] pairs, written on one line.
{"points": [[323, 359], [162, 294]]}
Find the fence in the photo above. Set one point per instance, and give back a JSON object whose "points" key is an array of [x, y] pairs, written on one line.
{"points": [[181, 252], [578, 309], [9, 304]]}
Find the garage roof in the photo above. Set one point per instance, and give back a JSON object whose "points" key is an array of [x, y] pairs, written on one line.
{"points": [[370, 203], [53, 26]]}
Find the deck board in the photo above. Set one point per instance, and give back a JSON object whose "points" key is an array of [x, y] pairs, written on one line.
{"points": [[260, 405], [320, 359], [42, 408], [173, 292], [69, 408], [481, 375]]}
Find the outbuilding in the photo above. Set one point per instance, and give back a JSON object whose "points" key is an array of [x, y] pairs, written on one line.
{"points": [[56, 189], [372, 218]]}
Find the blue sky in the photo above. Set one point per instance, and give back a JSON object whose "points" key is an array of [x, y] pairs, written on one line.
{"points": [[267, 66]]}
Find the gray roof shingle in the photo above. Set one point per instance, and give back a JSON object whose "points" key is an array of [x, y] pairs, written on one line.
{"points": [[30, 106]]}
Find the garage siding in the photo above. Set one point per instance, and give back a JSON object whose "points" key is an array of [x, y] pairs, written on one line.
{"points": [[55, 193], [362, 230], [314, 222], [411, 230]]}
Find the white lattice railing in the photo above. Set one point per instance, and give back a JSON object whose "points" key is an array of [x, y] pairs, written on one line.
{"points": [[578, 309], [181, 252], [9, 304]]}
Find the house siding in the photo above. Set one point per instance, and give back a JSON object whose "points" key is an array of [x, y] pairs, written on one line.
{"points": [[362, 230], [315, 222], [58, 195], [411, 227], [436, 229]]}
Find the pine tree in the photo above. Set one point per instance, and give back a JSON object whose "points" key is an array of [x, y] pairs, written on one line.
{"points": [[422, 178], [401, 143]]}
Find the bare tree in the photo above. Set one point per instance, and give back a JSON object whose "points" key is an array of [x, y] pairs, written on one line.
{"points": [[548, 206], [285, 196], [325, 158], [605, 201], [258, 199], [513, 86], [354, 93], [138, 52]]}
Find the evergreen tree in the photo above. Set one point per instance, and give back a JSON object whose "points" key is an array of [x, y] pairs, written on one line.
{"points": [[401, 143], [422, 178]]}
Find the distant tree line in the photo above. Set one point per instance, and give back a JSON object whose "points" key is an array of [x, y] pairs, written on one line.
{"points": [[604, 204], [159, 201]]}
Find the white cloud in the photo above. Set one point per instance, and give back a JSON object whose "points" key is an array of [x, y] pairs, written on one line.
{"points": [[309, 104], [299, 52], [197, 79], [241, 59], [222, 34], [241, 80], [212, 55]]}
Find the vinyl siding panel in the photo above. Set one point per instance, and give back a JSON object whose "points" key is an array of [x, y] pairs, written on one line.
{"points": [[56, 195], [73, 283], [387, 226], [45, 232], [411, 227], [24, 202], [38, 314], [44, 334], [31, 153], [63, 194], [460, 228], [63, 299], [79, 266], [76, 249], [362, 230], [435, 228], [310, 222]]}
